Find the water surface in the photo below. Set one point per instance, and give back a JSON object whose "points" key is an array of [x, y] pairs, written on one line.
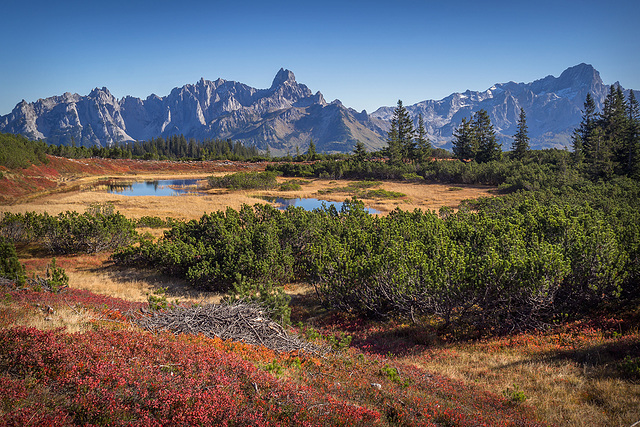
{"points": [[164, 187], [308, 204]]}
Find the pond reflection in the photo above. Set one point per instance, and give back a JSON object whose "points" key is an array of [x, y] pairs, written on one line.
{"points": [[164, 187], [308, 204]]}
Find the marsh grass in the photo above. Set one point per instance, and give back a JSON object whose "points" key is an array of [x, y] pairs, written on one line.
{"points": [[363, 190]]}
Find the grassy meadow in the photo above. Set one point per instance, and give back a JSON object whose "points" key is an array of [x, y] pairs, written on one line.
{"points": [[75, 356]]}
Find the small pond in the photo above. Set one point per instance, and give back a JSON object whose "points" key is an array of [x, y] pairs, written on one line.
{"points": [[165, 187], [176, 187], [308, 204]]}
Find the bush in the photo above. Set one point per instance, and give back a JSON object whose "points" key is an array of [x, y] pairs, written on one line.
{"points": [[96, 230], [56, 277], [290, 186], [245, 181], [10, 267]]}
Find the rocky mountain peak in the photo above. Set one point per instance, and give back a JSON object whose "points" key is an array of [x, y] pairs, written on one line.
{"points": [[288, 114], [282, 77], [580, 75]]}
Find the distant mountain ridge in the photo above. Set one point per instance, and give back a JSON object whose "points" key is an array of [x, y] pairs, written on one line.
{"points": [[285, 116], [553, 107], [288, 115]]}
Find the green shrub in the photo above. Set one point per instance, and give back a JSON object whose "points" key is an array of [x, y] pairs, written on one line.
{"points": [[290, 186], [514, 395], [98, 229], [10, 267], [245, 180], [151, 222], [56, 277]]}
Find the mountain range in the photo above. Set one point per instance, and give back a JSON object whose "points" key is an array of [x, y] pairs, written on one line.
{"points": [[288, 115]]}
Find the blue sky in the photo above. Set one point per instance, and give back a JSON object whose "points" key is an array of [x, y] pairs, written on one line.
{"points": [[365, 53]]}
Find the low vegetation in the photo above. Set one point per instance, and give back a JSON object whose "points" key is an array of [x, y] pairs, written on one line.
{"points": [[514, 310], [245, 181], [96, 230]]}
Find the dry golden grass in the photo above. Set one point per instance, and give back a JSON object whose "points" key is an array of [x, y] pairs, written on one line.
{"points": [[41, 317], [135, 285], [562, 391], [422, 196]]}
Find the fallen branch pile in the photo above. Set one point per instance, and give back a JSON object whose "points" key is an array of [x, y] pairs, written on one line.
{"points": [[247, 322]]}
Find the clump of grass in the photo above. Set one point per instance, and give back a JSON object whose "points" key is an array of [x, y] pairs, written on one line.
{"points": [[454, 189], [514, 395], [354, 188], [290, 186], [382, 194], [293, 185], [245, 180], [412, 177], [630, 366]]}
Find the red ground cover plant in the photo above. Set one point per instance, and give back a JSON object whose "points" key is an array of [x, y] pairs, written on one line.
{"points": [[133, 378], [123, 376]]}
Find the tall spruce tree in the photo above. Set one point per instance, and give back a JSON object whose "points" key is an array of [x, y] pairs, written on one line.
{"points": [[401, 135], [464, 144], [582, 136], [632, 148], [614, 125], [311, 152], [423, 145], [520, 145], [485, 137]]}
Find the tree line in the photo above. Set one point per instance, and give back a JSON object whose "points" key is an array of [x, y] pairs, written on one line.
{"points": [[608, 143], [17, 151]]}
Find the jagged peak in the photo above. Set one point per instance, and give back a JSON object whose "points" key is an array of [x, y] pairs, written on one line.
{"points": [[282, 77], [581, 72], [96, 91]]}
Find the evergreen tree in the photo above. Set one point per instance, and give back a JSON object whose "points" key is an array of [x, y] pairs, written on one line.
{"points": [[359, 152], [520, 145], [400, 138], [423, 145], [582, 136], [485, 137], [311, 152], [614, 125], [632, 148], [464, 145]]}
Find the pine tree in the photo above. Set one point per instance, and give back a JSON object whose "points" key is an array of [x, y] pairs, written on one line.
{"points": [[582, 135], [359, 152], [485, 137], [311, 152], [393, 149], [423, 145], [401, 135], [614, 125], [520, 145], [464, 145], [632, 148]]}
